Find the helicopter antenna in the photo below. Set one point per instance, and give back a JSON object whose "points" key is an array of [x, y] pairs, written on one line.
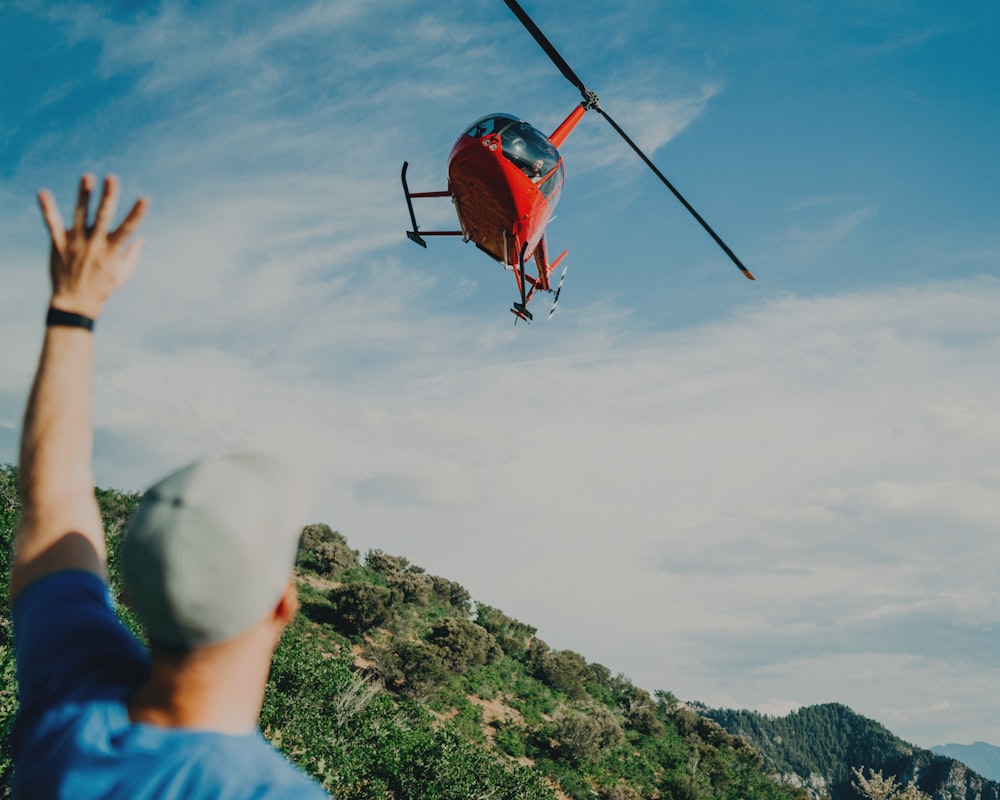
{"points": [[590, 101]]}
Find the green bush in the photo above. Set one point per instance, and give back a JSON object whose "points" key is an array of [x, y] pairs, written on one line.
{"points": [[358, 607], [10, 511], [512, 636], [325, 551], [583, 735], [565, 671], [385, 564], [453, 595], [644, 719], [8, 708], [463, 644], [412, 666], [509, 739], [415, 587], [360, 574]]}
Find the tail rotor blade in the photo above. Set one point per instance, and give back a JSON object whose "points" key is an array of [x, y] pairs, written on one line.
{"points": [[701, 220], [555, 301]]}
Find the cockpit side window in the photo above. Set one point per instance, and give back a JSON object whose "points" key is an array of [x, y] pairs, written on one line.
{"points": [[551, 187]]}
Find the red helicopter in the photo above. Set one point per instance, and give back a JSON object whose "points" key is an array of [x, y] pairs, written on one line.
{"points": [[505, 177]]}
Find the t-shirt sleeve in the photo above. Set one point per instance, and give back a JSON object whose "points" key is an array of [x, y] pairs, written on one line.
{"points": [[69, 642]]}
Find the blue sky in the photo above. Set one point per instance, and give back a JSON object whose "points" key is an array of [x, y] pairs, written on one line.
{"points": [[751, 494]]}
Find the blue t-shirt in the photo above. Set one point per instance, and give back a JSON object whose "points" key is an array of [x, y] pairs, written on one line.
{"points": [[76, 667]]}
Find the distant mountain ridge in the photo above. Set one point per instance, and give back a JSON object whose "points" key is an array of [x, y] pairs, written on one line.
{"points": [[816, 747], [982, 757]]}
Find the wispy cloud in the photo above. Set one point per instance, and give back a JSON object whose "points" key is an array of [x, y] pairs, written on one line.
{"points": [[896, 39], [805, 243]]}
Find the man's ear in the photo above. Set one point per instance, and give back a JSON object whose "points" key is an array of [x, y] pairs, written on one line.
{"points": [[288, 604]]}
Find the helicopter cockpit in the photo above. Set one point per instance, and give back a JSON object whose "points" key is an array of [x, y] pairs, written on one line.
{"points": [[524, 146]]}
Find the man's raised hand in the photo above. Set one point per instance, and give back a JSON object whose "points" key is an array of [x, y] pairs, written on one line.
{"points": [[89, 262]]}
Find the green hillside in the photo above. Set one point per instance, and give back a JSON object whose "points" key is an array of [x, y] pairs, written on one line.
{"points": [[395, 684], [819, 745]]}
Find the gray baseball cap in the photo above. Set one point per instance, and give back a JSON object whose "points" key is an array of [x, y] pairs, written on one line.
{"points": [[212, 548]]}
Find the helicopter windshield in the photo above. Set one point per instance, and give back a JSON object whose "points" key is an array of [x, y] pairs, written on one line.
{"points": [[524, 146], [529, 150], [490, 125]]}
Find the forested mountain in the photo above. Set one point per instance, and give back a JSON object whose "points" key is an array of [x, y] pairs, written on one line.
{"points": [[817, 746], [394, 685]]}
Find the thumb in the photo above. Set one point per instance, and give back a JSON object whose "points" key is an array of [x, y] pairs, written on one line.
{"points": [[130, 258]]}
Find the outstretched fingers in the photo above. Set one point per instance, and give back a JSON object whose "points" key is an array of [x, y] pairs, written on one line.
{"points": [[83, 203], [130, 223], [106, 207], [53, 219]]}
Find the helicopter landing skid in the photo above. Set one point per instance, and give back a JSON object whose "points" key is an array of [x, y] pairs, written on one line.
{"points": [[520, 310], [415, 234]]}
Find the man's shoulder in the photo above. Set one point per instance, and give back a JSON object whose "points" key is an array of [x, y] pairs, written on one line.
{"points": [[225, 766], [248, 762], [69, 643], [100, 753]]}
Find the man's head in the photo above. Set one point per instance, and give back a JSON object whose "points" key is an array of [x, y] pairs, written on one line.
{"points": [[212, 548]]}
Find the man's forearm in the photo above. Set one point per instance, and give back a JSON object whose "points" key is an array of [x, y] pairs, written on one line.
{"points": [[56, 448]]}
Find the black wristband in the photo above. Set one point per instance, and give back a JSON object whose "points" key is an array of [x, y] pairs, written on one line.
{"points": [[57, 316]]}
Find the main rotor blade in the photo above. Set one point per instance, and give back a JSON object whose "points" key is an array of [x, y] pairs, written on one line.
{"points": [[550, 51], [590, 100], [677, 194]]}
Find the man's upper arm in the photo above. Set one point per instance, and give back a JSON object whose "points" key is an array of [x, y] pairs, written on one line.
{"points": [[63, 533], [71, 551]]}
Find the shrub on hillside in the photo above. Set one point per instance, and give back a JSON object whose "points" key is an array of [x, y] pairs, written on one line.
{"points": [[386, 564], [325, 551], [565, 671], [620, 791], [509, 738], [512, 636], [453, 595], [412, 667], [415, 587], [10, 510], [579, 736], [463, 644], [358, 607], [642, 717]]}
